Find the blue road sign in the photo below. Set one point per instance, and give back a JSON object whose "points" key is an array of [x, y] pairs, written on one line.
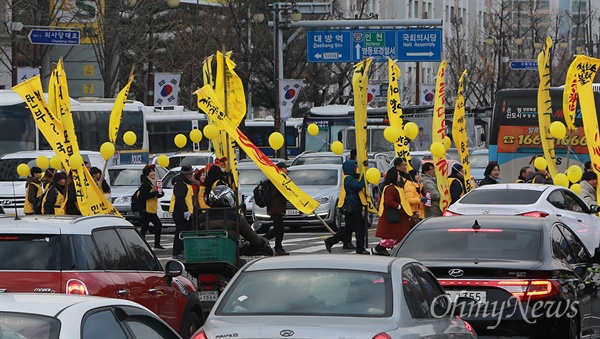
{"points": [[54, 37], [523, 65], [329, 46], [346, 45], [420, 45]]}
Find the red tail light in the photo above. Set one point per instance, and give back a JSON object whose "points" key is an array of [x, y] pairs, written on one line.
{"points": [[449, 214], [524, 290], [382, 336], [535, 214], [208, 279], [75, 286], [199, 335]]}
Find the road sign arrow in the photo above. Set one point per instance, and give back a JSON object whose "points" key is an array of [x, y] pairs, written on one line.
{"points": [[425, 54], [357, 47], [318, 56]]}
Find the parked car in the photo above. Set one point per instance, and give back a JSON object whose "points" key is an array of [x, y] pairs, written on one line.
{"points": [[310, 158], [99, 255], [533, 200], [527, 276], [332, 296], [35, 315], [249, 176], [124, 181], [194, 159], [322, 182], [479, 159], [12, 186]]}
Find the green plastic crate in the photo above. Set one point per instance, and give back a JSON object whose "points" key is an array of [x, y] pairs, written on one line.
{"points": [[209, 246]]}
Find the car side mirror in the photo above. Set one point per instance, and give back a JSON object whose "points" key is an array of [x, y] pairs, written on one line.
{"points": [[173, 268], [596, 257], [594, 208]]}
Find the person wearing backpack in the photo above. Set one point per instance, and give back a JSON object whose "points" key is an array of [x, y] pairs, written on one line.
{"points": [[276, 210], [182, 206], [33, 192], [148, 200]]}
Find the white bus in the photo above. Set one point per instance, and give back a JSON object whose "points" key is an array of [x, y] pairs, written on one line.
{"points": [[163, 125], [259, 130]]}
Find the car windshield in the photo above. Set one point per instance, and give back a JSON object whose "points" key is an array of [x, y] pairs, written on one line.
{"points": [[318, 160], [22, 325], [466, 243], [8, 168], [250, 176], [479, 160], [501, 197], [327, 292], [195, 161], [314, 177], [125, 177], [29, 252]]}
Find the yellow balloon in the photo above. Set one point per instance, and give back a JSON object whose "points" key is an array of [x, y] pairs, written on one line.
{"points": [[75, 161], [211, 132], [55, 162], [23, 170], [195, 135], [447, 143], [162, 160], [276, 140], [411, 130], [313, 129], [337, 147], [576, 188], [107, 150], [373, 176], [129, 138], [42, 162], [561, 179], [180, 140], [437, 149], [574, 173], [558, 130], [540, 163], [391, 134]]}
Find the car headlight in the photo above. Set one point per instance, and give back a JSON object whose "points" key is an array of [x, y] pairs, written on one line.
{"points": [[324, 200], [123, 200]]}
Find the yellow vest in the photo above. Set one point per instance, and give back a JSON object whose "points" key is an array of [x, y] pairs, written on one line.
{"points": [[188, 199], [361, 194], [450, 180], [152, 203], [59, 208], [403, 201], [28, 208]]}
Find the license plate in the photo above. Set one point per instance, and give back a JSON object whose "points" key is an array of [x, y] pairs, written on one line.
{"points": [[167, 215], [479, 296], [292, 212], [208, 295]]}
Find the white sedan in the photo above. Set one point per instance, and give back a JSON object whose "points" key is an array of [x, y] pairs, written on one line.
{"points": [[37, 315]]}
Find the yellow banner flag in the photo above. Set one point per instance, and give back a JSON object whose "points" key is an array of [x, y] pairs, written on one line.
{"points": [[570, 97], [208, 102], [360, 84], [207, 72], [52, 89], [459, 133], [89, 197], [236, 98], [544, 103], [117, 111], [586, 72], [438, 129], [63, 103], [394, 109]]}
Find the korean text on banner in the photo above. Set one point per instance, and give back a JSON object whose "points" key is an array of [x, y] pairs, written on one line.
{"points": [[586, 71], [166, 89], [89, 197], [360, 83], [394, 109], [544, 104], [570, 97], [289, 89], [117, 112], [438, 129], [208, 102], [459, 132]]}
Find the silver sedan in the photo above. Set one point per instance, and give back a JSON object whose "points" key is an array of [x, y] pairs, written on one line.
{"points": [[334, 296]]}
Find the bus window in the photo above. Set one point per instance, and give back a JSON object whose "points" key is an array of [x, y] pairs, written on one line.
{"points": [[17, 126]]}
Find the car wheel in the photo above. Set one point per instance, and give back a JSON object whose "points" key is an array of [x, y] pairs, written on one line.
{"points": [[337, 220], [571, 329], [191, 324]]}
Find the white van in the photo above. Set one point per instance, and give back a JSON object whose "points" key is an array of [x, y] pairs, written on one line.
{"points": [[12, 186]]}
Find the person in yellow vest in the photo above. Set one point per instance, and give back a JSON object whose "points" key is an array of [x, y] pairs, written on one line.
{"points": [[148, 197], [353, 197], [414, 192], [54, 198], [523, 174], [456, 181], [182, 206], [47, 178], [33, 191]]}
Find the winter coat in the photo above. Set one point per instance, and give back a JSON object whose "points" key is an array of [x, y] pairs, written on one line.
{"points": [[386, 229], [539, 178], [182, 199], [457, 188], [54, 199], [214, 178], [413, 196], [71, 206], [352, 185], [277, 205], [588, 193], [430, 185], [149, 196], [33, 190], [488, 180]]}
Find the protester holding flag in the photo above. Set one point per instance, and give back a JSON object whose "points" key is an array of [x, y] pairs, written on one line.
{"points": [[457, 182], [217, 175], [182, 206], [100, 181], [71, 206], [33, 190], [276, 210], [53, 201], [48, 178]]}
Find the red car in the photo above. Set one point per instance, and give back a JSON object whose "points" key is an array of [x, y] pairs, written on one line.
{"points": [[99, 255]]}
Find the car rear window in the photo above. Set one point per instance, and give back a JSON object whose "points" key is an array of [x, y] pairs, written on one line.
{"points": [[316, 177], [309, 292], [465, 243], [501, 197], [319, 160], [29, 252], [21, 325]]}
